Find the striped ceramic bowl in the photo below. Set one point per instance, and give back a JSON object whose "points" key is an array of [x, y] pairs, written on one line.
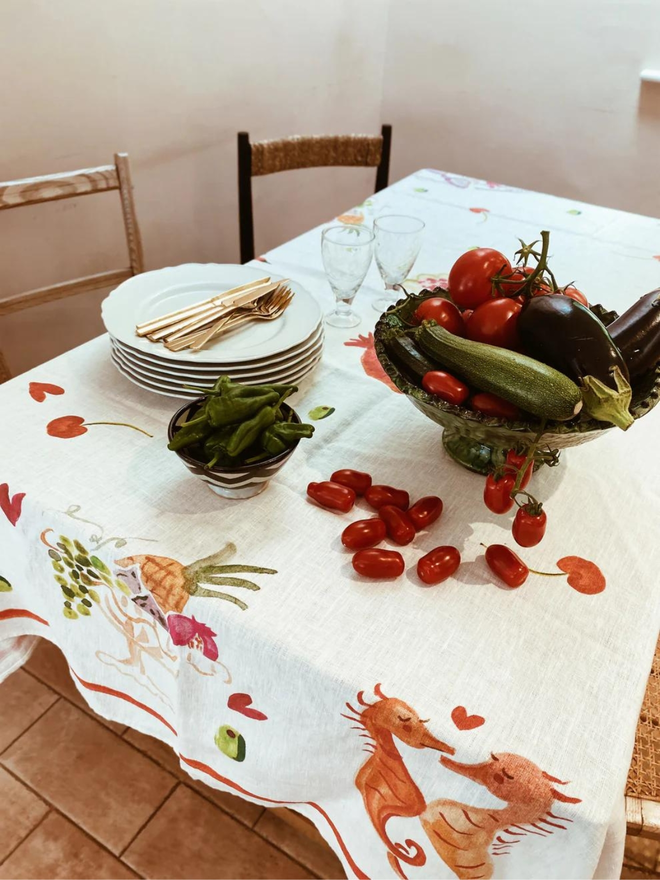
{"points": [[237, 482]]}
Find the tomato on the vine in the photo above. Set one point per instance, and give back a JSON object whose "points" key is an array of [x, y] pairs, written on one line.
{"points": [[516, 461], [445, 386], [364, 533], [507, 565], [438, 565], [529, 525], [443, 312], [497, 493], [575, 294], [495, 323], [377, 563], [471, 276], [494, 406]]}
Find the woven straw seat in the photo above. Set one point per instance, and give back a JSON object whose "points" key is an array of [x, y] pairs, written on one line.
{"points": [[643, 787]]}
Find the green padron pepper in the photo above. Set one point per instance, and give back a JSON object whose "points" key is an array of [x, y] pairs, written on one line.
{"points": [[231, 409], [282, 436], [189, 435], [246, 434], [215, 447]]}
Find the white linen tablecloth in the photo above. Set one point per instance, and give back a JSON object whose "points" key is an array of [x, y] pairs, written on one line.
{"points": [[254, 700]]}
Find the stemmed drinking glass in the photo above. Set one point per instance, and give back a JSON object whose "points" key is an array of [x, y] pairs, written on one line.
{"points": [[346, 252], [398, 241]]}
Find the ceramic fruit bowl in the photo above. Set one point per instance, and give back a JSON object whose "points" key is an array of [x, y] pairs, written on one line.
{"points": [[230, 482], [480, 442]]}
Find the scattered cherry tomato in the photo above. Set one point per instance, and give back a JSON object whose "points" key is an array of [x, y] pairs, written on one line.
{"points": [[333, 496], [507, 565], [497, 493], [471, 276], [438, 565], [377, 563], [516, 461], [364, 533], [443, 312], [398, 524], [425, 511], [494, 406], [466, 314], [358, 481], [377, 496], [495, 322], [445, 386], [575, 294], [529, 525]]}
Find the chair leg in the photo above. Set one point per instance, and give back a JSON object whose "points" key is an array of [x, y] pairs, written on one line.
{"points": [[383, 172], [245, 217]]}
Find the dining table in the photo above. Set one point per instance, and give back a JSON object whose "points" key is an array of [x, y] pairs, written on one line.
{"points": [[461, 730]]}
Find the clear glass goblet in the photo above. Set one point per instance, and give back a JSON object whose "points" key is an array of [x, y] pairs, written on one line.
{"points": [[346, 252], [398, 240]]}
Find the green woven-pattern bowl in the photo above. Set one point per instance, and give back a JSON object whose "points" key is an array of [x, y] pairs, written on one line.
{"points": [[477, 441]]}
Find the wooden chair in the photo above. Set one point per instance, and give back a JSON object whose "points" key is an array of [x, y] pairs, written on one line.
{"points": [[69, 185], [643, 787], [269, 157]]}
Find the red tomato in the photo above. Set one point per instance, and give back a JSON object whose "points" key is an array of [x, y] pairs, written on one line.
{"points": [[443, 312], [519, 276], [438, 565], [507, 565], [471, 276], [495, 322], [575, 294], [377, 496], [398, 524], [515, 460], [377, 563], [529, 525], [333, 496], [494, 406], [425, 511], [466, 314], [364, 533], [446, 386], [358, 481], [497, 493]]}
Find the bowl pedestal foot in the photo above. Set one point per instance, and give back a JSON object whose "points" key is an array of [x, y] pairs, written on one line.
{"points": [[472, 454]]}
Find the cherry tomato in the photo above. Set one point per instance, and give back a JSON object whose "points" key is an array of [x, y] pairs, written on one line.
{"points": [[516, 461], [507, 565], [495, 322], [574, 293], [398, 524], [497, 493], [466, 314], [377, 496], [358, 481], [364, 533], [470, 278], [445, 386], [438, 565], [443, 312], [377, 563], [425, 511], [519, 276], [529, 525], [333, 496], [494, 406]]}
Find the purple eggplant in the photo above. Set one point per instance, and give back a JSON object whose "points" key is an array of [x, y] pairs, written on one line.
{"points": [[637, 334], [566, 335]]}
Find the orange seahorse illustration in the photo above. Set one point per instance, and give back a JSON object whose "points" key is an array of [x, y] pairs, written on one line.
{"points": [[384, 782], [466, 837], [369, 360]]}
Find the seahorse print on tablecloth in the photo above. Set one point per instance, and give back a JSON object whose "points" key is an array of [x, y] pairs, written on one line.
{"points": [[384, 782], [369, 360], [468, 838]]}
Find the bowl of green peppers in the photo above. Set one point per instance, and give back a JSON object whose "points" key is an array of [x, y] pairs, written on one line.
{"points": [[236, 437]]}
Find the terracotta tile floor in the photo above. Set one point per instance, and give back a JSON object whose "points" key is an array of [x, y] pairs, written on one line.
{"points": [[81, 797]]}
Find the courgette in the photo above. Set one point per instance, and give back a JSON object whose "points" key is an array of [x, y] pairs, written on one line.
{"points": [[531, 385], [406, 355]]}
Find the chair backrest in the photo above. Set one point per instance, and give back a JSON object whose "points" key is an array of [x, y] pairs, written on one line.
{"points": [[287, 154], [74, 184]]}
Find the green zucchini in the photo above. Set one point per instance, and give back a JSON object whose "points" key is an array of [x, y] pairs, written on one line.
{"points": [[531, 385], [405, 354]]}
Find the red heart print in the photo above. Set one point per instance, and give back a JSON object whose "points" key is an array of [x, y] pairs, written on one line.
{"points": [[241, 703], [11, 507], [66, 426], [464, 721], [39, 390], [583, 576]]}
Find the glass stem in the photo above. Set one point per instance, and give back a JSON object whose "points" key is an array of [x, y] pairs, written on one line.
{"points": [[343, 308]]}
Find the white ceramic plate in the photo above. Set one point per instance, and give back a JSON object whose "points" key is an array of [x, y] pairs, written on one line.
{"points": [[152, 294], [246, 368], [186, 395], [178, 380]]}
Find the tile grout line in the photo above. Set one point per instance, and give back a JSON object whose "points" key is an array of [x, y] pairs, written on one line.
{"points": [[23, 839], [288, 855], [144, 824], [54, 809], [31, 725]]}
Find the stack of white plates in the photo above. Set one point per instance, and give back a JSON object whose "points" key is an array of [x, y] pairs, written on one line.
{"points": [[261, 352]]}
